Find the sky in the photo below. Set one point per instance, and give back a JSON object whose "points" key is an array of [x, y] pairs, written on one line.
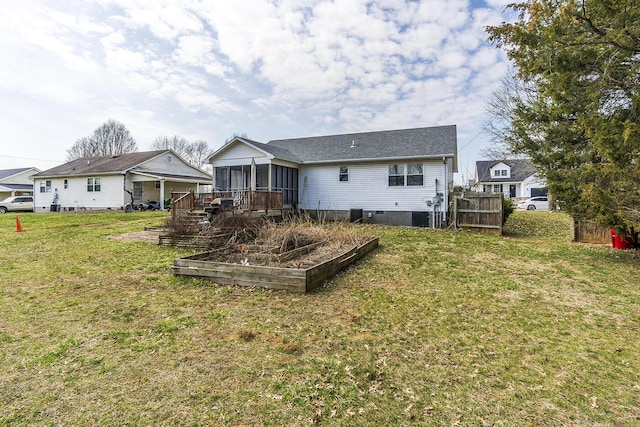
{"points": [[264, 69]]}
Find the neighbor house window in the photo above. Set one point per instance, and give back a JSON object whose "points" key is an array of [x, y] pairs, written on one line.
{"points": [[93, 184], [157, 185], [65, 183], [415, 174], [496, 172], [497, 188], [45, 186], [396, 175], [486, 188], [344, 173], [503, 172]]}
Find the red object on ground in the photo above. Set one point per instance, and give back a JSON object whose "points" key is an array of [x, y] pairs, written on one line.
{"points": [[18, 225], [612, 233], [618, 241]]}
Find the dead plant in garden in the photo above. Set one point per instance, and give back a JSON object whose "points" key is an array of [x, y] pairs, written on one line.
{"points": [[296, 233]]}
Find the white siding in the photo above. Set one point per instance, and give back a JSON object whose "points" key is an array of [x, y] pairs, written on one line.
{"points": [[532, 182], [111, 194], [174, 166], [368, 188], [238, 154], [20, 178]]}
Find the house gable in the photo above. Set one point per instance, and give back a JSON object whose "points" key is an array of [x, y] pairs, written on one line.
{"points": [[500, 170], [240, 149], [17, 176]]}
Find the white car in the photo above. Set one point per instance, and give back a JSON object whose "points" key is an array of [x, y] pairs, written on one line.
{"points": [[539, 202], [16, 203]]}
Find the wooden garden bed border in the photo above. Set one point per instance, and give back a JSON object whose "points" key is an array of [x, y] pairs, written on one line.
{"points": [[291, 279]]}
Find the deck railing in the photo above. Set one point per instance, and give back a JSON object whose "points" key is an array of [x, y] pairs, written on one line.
{"points": [[182, 203], [253, 200]]}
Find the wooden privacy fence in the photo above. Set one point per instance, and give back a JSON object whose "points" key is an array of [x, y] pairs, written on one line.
{"points": [[588, 232], [479, 211]]}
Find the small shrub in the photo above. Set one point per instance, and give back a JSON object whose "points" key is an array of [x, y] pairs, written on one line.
{"points": [[507, 209]]}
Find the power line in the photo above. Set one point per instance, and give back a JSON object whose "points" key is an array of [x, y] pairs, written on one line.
{"points": [[31, 158], [472, 139]]}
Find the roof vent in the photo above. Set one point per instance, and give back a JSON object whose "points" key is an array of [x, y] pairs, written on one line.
{"points": [[353, 143]]}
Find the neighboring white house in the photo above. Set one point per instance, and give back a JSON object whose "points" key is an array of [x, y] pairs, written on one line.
{"points": [[397, 177], [111, 182], [16, 182], [515, 178]]}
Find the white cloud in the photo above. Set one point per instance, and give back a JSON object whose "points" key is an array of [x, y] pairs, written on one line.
{"points": [[271, 69]]}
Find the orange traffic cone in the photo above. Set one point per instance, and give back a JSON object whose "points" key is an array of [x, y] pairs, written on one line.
{"points": [[18, 225]]}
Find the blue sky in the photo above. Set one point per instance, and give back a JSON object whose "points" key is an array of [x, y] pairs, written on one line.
{"points": [[267, 69]]}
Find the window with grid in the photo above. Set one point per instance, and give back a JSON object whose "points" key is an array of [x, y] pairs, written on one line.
{"points": [[396, 175], [45, 186], [415, 174], [93, 185], [344, 173]]}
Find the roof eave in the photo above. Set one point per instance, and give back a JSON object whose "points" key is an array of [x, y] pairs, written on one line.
{"points": [[378, 159]]}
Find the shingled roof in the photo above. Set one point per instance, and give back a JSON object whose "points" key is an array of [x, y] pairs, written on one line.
{"points": [[521, 169], [429, 142], [101, 165], [6, 173]]}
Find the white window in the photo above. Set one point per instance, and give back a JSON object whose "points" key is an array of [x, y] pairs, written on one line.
{"points": [[497, 188], [93, 184], [503, 172], [45, 186], [344, 173], [415, 174], [396, 175], [496, 172]]}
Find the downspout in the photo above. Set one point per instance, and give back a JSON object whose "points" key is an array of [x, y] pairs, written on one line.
{"points": [[445, 197]]}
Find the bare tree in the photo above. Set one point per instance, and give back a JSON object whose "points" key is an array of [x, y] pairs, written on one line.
{"points": [[195, 153], [198, 153], [176, 143], [110, 138], [237, 135], [501, 112]]}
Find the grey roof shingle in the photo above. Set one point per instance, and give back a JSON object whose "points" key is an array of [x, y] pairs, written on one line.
{"points": [[520, 170], [99, 165], [426, 142], [4, 173]]}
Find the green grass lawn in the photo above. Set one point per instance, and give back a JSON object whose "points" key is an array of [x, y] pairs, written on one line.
{"points": [[433, 328]]}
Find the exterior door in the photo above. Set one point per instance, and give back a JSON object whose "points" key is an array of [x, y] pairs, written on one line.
{"points": [[137, 193], [512, 190]]}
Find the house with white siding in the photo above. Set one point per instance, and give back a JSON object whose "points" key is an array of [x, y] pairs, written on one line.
{"points": [[112, 182], [515, 178], [399, 177], [16, 182]]}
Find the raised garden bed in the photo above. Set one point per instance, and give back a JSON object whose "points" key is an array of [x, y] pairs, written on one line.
{"points": [[297, 270]]}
